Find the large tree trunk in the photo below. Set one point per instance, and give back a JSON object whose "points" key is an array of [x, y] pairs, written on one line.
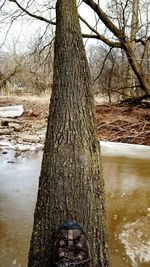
{"points": [[71, 184]]}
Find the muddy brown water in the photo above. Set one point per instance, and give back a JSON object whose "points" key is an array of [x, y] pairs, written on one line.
{"points": [[127, 182]]}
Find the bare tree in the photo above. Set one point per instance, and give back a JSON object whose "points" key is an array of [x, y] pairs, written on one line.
{"points": [[122, 40], [118, 25]]}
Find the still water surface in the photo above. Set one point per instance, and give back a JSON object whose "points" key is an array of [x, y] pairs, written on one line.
{"points": [[127, 182]]}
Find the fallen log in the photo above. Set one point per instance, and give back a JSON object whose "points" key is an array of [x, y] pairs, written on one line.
{"points": [[135, 101]]}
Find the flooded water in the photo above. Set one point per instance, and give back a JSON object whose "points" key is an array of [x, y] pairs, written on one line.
{"points": [[127, 182]]}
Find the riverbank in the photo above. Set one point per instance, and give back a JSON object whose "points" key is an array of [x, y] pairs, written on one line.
{"points": [[114, 123], [126, 185]]}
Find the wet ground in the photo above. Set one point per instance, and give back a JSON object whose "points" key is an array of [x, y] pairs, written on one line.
{"points": [[127, 181]]}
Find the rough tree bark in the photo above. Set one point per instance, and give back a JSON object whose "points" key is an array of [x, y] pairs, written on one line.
{"points": [[71, 184]]}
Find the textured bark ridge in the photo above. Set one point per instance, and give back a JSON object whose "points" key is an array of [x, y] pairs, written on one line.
{"points": [[71, 184]]}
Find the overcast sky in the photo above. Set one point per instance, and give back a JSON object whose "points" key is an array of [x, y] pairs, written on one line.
{"points": [[22, 33]]}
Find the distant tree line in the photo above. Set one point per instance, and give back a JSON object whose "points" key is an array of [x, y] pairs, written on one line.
{"points": [[28, 72]]}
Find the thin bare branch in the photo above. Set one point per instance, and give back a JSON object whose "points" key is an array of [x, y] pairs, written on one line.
{"points": [[33, 15], [104, 18], [123, 14], [8, 78], [99, 36], [102, 66], [7, 33], [142, 40], [1, 6], [49, 44]]}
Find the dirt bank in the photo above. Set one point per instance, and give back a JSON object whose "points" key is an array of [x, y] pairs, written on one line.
{"points": [[114, 123]]}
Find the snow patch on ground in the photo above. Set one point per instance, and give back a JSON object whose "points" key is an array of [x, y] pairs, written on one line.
{"points": [[11, 111]]}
